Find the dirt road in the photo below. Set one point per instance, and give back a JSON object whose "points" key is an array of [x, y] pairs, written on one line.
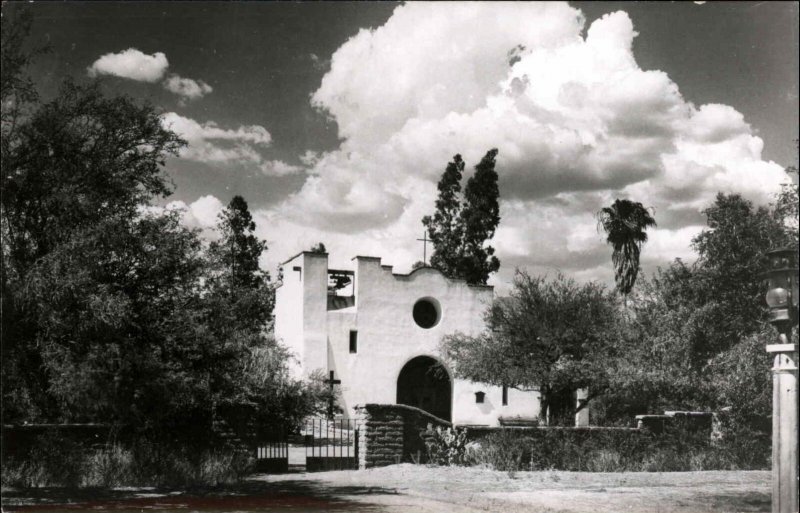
{"points": [[411, 488]]}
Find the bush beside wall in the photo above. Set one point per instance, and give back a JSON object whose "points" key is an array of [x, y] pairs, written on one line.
{"points": [[98, 455], [600, 450]]}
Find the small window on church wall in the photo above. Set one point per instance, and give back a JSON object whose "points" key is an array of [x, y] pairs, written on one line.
{"points": [[479, 396], [426, 313], [505, 395], [353, 341]]}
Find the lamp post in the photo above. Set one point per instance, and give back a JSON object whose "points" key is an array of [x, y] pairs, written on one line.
{"points": [[782, 298]]}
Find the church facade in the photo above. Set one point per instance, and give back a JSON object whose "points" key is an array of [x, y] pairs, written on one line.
{"points": [[377, 333]]}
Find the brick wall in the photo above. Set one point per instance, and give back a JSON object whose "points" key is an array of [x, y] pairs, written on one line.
{"points": [[393, 433]]}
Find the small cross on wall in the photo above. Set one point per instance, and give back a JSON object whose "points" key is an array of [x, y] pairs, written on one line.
{"points": [[331, 381]]}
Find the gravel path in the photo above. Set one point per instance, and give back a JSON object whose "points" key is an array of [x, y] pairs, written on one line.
{"points": [[474, 489], [420, 489]]}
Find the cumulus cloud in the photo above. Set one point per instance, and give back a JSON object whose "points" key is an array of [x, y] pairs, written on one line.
{"points": [[187, 88], [203, 213], [131, 64], [241, 147], [577, 122], [136, 65]]}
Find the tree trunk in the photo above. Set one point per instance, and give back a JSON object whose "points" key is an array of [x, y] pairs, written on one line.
{"points": [[544, 406]]}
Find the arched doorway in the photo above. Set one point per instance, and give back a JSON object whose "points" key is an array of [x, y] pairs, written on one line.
{"points": [[423, 382]]}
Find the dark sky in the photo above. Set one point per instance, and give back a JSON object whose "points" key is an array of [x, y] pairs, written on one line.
{"points": [[265, 60], [256, 55], [743, 54]]}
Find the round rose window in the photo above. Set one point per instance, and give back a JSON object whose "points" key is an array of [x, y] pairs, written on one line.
{"points": [[427, 313]]}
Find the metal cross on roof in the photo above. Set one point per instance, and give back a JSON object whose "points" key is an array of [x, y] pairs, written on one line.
{"points": [[425, 240]]}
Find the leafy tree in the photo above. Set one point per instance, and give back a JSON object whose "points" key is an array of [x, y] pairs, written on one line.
{"points": [[319, 248], [112, 312], [239, 250], [786, 206], [17, 92], [79, 159], [461, 226], [444, 227], [691, 320], [548, 335], [625, 223], [731, 259], [118, 318], [480, 217], [74, 163]]}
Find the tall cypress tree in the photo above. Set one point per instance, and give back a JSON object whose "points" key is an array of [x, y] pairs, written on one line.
{"points": [[238, 276], [463, 224], [444, 228], [239, 249], [480, 217]]}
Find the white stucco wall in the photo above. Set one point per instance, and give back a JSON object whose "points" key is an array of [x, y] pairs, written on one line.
{"points": [[523, 404], [388, 336], [289, 313]]}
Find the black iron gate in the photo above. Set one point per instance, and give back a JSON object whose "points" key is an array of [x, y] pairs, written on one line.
{"points": [[272, 449], [331, 444]]}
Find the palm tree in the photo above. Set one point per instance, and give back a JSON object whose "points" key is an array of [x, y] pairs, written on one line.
{"points": [[625, 223]]}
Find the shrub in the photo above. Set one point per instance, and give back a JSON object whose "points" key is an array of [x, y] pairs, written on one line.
{"points": [[108, 466], [161, 465], [447, 446], [51, 461], [139, 464], [605, 460], [502, 451], [603, 450]]}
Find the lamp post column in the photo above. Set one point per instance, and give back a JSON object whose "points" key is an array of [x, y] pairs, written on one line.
{"points": [[784, 426], [782, 299]]}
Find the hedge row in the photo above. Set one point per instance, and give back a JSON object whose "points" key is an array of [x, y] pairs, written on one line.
{"points": [[599, 450]]}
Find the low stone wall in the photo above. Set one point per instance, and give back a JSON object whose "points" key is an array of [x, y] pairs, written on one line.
{"points": [[393, 433], [686, 421], [475, 433]]}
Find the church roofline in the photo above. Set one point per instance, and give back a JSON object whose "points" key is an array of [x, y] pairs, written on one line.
{"points": [[302, 253], [389, 268], [398, 275], [462, 280]]}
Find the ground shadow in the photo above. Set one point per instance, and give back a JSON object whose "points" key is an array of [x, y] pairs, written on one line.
{"points": [[251, 495], [740, 502]]}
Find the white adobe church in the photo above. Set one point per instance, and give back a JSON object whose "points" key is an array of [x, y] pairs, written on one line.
{"points": [[378, 333]]}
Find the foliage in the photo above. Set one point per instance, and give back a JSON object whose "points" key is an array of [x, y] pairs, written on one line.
{"points": [[237, 252], [319, 248], [625, 223], [17, 91], [606, 450], [112, 310], [499, 451], [447, 446], [696, 334], [444, 228], [65, 172], [552, 335], [786, 207], [56, 461], [461, 226], [68, 184]]}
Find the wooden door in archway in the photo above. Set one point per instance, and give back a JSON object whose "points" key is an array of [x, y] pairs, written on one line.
{"points": [[424, 383]]}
